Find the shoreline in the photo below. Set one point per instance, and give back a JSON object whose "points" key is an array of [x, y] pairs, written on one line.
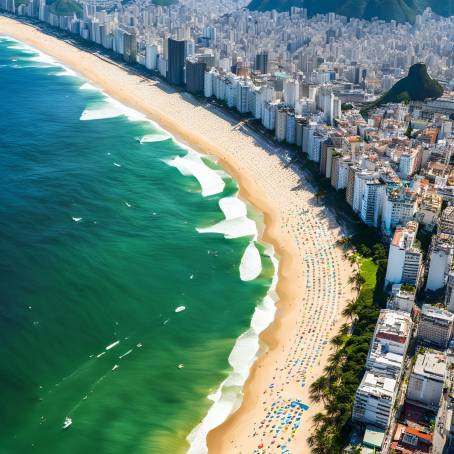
{"points": [[275, 203]]}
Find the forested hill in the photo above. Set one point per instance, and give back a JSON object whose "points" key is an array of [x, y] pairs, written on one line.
{"points": [[399, 10]]}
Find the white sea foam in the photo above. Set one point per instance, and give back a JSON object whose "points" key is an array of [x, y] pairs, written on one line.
{"points": [[236, 223], [247, 348], [251, 263], [46, 60], [88, 86], [192, 164], [125, 354], [66, 72], [110, 108], [22, 48], [154, 138], [101, 110], [114, 344]]}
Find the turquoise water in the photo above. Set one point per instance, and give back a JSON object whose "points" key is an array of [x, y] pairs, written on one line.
{"points": [[98, 245]]}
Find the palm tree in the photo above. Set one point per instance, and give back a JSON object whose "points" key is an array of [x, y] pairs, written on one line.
{"points": [[350, 310], [357, 280], [332, 370], [337, 357], [318, 389], [319, 419], [344, 329], [352, 258], [337, 341]]}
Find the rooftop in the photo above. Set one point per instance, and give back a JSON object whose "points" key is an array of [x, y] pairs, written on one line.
{"points": [[431, 365], [435, 312], [378, 385]]}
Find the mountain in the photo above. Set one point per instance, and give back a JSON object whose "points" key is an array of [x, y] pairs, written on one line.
{"points": [[399, 10], [416, 86], [64, 7]]}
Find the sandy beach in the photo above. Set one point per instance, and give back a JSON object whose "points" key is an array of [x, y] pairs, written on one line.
{"points": [[276, 412]]}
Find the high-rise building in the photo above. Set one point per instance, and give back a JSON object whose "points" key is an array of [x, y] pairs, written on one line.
{"points": [[440, 260], [427, 379], [281, 124], [449, 294], [374, 399], [404, 259], [176, 61], [446, 223], [261, 62], [435, 326], [195, 75], [129, 47], [291, 92], [371, 202], [401, 299], [390, 343], [242, 100], [399, 207]]}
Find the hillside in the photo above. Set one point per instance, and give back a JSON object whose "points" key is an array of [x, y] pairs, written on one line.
{"points": [[416, 86], [399, 10], [64, 7]]}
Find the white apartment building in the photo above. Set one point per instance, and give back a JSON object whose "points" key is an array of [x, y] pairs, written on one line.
{"points": [[242, 101], [401, 300], [399, 207], [359, 187], [339, 172], [290, 135], [374, 400], [269, 115], [427, 379], [435, 326], [407, 164], [404, 260], [372, 201], [441, 258], [390, 343], [231, 92], [281, 124], [291, 92], [308, 133], [208, 84]]}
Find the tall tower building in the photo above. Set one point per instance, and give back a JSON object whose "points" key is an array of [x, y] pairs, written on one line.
{"points": [[175, 71], [261, 62], [195, 75]]}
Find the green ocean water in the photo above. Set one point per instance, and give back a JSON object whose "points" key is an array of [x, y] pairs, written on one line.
{"points": [[98, 246]]}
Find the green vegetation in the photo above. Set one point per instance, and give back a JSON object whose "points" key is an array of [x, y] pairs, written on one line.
{"points": [[346, 106], [407, 288], [64, 7], [343, 374], [416, 86], [409, 130], [399, 10]]}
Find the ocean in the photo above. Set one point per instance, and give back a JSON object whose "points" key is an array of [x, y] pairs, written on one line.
{"points": [[132, 284]]}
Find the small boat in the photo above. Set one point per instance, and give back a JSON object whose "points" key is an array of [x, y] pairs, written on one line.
{"points": [[67, 423]]}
